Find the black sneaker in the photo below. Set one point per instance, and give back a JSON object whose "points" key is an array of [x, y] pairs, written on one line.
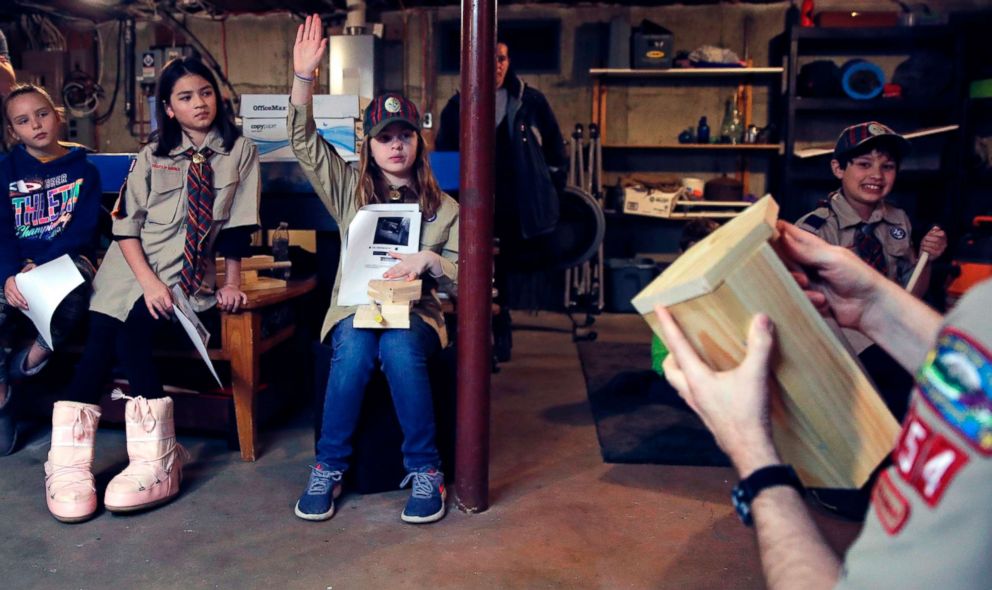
{"points": [[8, 423], [426, 503], [323, 487]]}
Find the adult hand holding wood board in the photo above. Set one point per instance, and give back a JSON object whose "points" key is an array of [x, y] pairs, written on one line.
{"points": [[827, 419]]}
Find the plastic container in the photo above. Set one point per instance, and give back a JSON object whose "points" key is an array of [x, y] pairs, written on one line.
{"points": [[625, 278]]}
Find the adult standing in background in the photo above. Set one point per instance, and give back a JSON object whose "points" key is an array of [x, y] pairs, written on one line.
{"points": [[531, 168]]}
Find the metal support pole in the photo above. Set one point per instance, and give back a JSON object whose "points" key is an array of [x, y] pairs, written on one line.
{"points": [[475, 254]]}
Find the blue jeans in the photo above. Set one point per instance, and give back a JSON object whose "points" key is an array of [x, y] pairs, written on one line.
{"points": [[403, 355]]}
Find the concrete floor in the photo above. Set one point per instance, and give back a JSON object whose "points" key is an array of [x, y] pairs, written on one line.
{"points": [[560, 517]]}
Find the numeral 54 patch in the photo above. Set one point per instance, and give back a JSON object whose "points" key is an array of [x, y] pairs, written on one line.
{"points": [[926, 460], [956, 380]]}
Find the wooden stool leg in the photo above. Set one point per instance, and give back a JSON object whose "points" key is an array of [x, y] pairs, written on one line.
{"points": [[240, 330]]}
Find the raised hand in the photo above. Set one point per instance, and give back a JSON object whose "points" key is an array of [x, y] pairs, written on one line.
{"points": [[308, 52]]}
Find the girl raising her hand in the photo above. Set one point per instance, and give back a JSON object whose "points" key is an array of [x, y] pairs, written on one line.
{"points": [[393, 168]]}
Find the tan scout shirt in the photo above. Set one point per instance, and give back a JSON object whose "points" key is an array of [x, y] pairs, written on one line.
{"points": [[837, 224], [336, 183], [930, 522], [153, 207]]}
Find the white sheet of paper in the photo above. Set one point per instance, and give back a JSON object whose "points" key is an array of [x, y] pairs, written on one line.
{"points": [[195, 329], [44, 287], [375, 231]]}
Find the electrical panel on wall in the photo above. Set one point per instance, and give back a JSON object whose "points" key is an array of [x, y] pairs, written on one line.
{"points": [[152, 60]]}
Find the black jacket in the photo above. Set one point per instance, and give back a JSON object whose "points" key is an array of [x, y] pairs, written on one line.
{"points": [[537, 153]]}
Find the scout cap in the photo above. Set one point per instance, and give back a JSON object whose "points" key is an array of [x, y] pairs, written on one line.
{"points": [[865, 134], [390, 108]]}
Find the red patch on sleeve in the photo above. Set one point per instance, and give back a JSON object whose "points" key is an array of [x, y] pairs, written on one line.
{"points": [[927, 460], [890, 505]]}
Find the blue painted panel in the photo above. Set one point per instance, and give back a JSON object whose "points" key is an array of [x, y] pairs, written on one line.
{"points": [[284, 177]]}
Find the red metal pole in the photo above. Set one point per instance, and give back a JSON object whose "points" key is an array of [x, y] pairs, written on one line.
{"points": [[475, 254]]}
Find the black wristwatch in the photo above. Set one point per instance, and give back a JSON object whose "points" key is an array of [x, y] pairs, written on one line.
{"points": [[767, 477]]}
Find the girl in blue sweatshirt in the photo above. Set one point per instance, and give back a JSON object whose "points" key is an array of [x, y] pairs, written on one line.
{"points": [[51, 208]]}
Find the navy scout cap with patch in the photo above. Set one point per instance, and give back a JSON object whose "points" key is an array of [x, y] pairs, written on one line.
{"points": [[862, 134], [390, 108]]}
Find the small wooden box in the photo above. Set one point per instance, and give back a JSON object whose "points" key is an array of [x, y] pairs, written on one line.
{"points": [[382, 317], [827, 419], [391, 303]]}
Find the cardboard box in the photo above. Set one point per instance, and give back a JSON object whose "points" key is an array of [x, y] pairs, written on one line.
{"points": [[652, 203], [273, 106], [272, 138]]}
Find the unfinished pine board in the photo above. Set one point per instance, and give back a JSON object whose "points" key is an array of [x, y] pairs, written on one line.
{"points": [[383, 317], [258, 262], [385, 291], [827, 419]]}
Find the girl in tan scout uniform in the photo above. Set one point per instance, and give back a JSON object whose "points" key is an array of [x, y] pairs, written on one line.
{"points": [[191, 193], [393, 168]]}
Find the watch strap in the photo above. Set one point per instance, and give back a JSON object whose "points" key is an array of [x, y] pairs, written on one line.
{"points": [[748, 488]]}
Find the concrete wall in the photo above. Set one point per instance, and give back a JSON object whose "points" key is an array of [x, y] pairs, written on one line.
{"points": [[259, 54]]}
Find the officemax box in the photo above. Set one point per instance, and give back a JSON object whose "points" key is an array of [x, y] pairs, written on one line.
{"points": [[272, 137], [273, 106]]}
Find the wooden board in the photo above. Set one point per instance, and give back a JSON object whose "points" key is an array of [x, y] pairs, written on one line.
{"points": [[827, 419], [258, 262], [383, 317], [384, 291]]}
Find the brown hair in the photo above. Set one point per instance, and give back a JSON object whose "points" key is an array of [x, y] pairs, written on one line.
{"points": [[424, 183], [21, 90]]}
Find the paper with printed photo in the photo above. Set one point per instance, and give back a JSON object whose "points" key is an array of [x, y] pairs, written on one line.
{"points": [[44, 287], [376, 231], [195, 329]]}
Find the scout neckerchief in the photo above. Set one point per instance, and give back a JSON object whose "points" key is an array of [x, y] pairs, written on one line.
{"points": [[868, 247], [199, 217]]}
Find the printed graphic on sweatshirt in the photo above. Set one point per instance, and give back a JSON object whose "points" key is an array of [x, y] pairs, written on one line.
{"points": [[43, 208]]}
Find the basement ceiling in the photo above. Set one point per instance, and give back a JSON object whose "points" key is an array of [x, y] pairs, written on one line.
{"points": [[101, 10]]}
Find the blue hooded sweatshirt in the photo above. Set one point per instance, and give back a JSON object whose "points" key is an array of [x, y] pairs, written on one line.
{"points": [[51, 209]]}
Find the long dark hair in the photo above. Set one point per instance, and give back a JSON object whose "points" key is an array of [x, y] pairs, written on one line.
{"points": [[170, 134]]}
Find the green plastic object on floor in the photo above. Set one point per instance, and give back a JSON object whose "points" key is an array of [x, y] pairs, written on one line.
{"points": [[658, 353]]}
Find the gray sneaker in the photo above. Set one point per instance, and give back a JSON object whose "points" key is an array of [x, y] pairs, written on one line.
{"points": [[323, 487]]}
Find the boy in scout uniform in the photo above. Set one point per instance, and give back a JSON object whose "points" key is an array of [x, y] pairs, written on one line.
{"points": [[930, 525], [856, 216]]}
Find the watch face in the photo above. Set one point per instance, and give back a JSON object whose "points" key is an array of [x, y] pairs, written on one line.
{"points": [[741, 504]]}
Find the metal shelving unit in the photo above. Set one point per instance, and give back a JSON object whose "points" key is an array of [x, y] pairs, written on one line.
{"points": [[801, 176]]}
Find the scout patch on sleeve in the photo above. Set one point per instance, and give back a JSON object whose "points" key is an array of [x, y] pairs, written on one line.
{"points": [[897, 232], [956, 380], [926, 460], [120, 209], [890, 505]]}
